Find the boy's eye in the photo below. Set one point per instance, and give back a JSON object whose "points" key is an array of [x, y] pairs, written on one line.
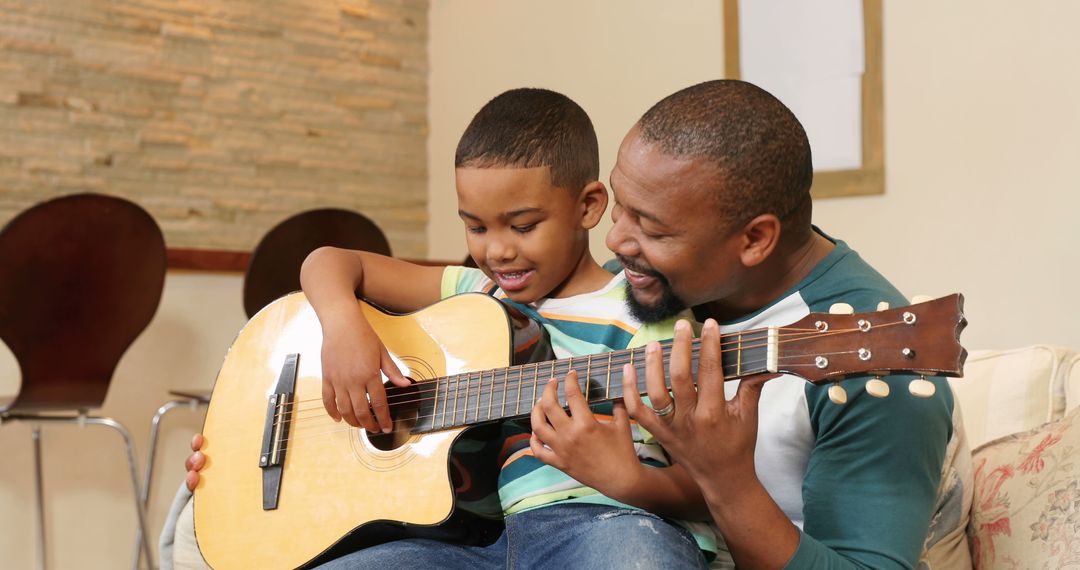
{"points": [[525, 228], [475, 229]]}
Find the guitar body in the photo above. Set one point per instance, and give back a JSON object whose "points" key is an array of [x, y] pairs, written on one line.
{"points": [[335, 479]]}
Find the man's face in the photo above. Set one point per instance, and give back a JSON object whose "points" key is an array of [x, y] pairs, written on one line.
{"points": [[669, 232], [524, 233]]}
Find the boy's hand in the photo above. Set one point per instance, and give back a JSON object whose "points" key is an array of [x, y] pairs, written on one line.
{"points": [[599, 455], [353, 361], [195, 462]]}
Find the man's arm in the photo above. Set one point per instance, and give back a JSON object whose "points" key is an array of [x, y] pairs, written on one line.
{"points": [[869, 487]]}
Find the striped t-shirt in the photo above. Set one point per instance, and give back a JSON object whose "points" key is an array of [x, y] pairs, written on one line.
{"points": [[584, 324]]}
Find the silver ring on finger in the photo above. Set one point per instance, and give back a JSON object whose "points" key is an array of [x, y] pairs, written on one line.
{"points": [[666, 410]]}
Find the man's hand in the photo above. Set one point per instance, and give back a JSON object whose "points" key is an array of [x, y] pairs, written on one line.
{"points": [[711, 437], [600, 455], [353, 361]]}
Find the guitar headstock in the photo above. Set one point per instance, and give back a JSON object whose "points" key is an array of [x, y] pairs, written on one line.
{"points": [[923, 338]]}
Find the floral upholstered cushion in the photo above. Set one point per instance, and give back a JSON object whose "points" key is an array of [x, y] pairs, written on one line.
{"points": [[1026, 511]]}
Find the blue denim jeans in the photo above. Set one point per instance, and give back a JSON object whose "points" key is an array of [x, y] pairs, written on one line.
{"points": [[560, 536]]}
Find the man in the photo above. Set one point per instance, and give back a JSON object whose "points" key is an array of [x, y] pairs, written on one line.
{"points": [[712, 210]]}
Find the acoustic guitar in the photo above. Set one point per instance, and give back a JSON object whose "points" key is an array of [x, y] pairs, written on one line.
{"points": [[284, 485]]}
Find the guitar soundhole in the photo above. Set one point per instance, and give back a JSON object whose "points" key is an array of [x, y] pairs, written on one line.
{"points": [[404, 406]]}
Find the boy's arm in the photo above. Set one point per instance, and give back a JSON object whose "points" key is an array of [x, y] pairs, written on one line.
{"points": [[353, 357], [602, 456]]}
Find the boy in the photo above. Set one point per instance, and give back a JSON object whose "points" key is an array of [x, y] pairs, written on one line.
{"points": [[526, 174]]}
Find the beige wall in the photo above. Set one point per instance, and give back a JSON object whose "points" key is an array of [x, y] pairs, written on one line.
{"points": [[981, 127], [615, 58]]}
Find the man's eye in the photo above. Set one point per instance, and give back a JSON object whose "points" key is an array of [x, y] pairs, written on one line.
{"points": [[524, 229]]}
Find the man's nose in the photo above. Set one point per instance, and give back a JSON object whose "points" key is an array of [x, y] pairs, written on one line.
{"points": [[618, 239]]}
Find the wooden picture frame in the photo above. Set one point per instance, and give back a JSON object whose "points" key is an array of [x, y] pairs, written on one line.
{"points": [[869, 179]]}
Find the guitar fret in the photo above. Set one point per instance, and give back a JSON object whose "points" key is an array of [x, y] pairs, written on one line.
{"points": [[465, 402], [588, 375], [517, 401], [491, 394], [505, 389], [479, 396], [536, 380], [738, 357], [435, 405], [607, 387], [569, 367], [457, 396]]}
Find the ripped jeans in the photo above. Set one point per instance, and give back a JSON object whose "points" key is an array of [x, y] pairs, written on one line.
{"points": [[561, 536]]}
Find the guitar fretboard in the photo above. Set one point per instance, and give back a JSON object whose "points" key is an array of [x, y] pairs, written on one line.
{"points": [[485, 396]]}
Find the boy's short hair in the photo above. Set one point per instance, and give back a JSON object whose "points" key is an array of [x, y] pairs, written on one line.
{"points": [[526, 128]]}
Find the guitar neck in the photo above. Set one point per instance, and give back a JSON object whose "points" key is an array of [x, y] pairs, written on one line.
{"points": [[473, 398]]}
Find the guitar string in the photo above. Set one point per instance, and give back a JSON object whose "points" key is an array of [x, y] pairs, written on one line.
{"points": [[469, 377], [405, 430], [323, 416], [318, 412], [475, 380], [305, 436]]}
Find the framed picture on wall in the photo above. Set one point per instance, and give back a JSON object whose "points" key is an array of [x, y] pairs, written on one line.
{"points": [[823, 59]]}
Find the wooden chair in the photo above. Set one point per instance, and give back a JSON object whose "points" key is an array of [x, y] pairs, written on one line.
{"points": [[273, 271], [80, 278]]}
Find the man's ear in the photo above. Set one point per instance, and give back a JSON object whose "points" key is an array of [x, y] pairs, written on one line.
{"points": [[760, 238], [593, 201]]}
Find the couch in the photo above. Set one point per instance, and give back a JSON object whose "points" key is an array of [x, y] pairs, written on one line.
{"points": [[1021, 412]]}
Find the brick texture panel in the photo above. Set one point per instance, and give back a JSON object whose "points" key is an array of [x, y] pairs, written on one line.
{"points": [[220, 117]]}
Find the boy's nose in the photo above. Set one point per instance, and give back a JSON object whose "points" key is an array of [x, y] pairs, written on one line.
{"points": [[498, 250]]}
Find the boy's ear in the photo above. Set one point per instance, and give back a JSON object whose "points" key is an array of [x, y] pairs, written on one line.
{"points": [[593, 201], [759, 239]]}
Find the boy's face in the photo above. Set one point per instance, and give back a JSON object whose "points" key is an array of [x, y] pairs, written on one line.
{"points": [[525, 234]]}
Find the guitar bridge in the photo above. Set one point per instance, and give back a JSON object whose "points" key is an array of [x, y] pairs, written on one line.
{"points": [[276, 432]]}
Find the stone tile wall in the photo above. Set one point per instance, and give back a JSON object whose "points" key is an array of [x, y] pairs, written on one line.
{"points": [[220, 117]]}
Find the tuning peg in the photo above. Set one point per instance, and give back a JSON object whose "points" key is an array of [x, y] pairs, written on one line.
{"points": [[837, 394], [841, 309], [883, 306], [921, 299], [877, 388], [922, 388]]}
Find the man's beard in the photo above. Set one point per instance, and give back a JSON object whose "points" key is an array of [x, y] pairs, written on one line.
{"points": [[668, 306]]}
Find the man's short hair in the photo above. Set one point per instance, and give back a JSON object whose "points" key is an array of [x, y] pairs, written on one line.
{"points": [[759, 148], [525, 128]]}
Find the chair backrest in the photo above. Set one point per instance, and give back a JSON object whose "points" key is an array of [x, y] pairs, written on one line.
{"points": [[274, 269], [80, 278]]}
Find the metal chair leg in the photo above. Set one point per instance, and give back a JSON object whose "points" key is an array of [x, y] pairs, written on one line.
{"points": [[82, 420], [151, 452], [40, 491]]}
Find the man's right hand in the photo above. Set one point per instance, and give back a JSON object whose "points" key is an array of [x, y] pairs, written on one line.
{"points": [[353, 362]]}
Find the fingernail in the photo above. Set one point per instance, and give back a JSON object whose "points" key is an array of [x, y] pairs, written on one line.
{"points": [[387, 430], [652, 346], [681, 325]]}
